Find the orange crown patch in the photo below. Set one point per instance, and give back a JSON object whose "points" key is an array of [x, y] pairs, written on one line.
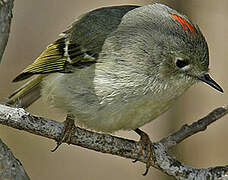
{"points": [[187, 27]]}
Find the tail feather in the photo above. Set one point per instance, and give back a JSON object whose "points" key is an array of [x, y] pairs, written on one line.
{"points": [[27, 94]]}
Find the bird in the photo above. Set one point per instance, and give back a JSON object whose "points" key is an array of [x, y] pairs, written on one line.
{"points": [[118, 68]]}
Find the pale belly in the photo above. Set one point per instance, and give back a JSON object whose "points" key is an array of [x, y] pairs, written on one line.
{"points": [[126, 116], [100, 113]]}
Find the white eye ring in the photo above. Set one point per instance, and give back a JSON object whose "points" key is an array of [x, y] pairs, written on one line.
{"points": [[181, 63]]}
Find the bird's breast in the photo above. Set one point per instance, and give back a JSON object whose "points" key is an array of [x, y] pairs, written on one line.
{"points": [[107, 101]]}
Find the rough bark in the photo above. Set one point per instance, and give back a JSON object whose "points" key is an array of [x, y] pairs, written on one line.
{"points": [[10, 167], [6, 7], [20, 119]]}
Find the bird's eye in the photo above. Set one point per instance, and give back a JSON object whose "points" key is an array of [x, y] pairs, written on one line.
{"points": [[180, 63]]}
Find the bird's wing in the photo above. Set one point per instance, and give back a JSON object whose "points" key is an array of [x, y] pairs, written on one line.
{"points": [[80, 44], [56, 58]]}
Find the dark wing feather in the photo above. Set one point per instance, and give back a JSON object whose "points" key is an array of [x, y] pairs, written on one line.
{"points": [[51, 60], [80, 44]]}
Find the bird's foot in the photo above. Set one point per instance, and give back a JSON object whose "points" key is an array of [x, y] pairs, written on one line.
{"points": [[69, 131], [145, 143]]}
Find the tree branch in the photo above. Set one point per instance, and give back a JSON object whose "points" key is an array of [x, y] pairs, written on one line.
{"points": [[20, 119], [6, 7], [10, 167], [200, 125]]}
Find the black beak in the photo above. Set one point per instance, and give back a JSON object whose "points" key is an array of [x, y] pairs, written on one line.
{"points": [[207, 79]]}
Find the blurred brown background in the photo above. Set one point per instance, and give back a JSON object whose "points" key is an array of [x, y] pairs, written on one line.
{"points": [[38, 23]]}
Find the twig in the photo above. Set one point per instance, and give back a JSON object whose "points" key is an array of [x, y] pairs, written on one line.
{"points": [[6, 7], [20, 119], [11, 168], [200, 125]]}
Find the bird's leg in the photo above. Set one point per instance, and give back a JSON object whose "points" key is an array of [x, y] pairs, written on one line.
{"points": [[145, 143], [69, 131]]}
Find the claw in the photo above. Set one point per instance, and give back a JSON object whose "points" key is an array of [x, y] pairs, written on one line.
{"points": [[145, 142], [147, 170], [69, 131], [57, 146]]}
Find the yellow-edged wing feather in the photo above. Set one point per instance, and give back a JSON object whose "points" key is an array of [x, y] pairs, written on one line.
{"points": [[27, 94], [51, 60], [56, 58]]}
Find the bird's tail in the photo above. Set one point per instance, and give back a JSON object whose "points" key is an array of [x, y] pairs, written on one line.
{"points": [[27, 94]]}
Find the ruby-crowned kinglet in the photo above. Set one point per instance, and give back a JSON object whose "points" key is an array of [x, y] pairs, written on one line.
{"points": [[118, 68]]}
